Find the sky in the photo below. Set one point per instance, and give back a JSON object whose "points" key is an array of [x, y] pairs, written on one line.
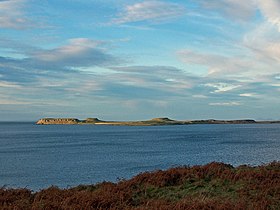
{"points": [[139, 59]]}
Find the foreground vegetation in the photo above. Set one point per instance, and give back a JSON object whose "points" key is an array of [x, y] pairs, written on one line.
{"points": [[213, 186]]}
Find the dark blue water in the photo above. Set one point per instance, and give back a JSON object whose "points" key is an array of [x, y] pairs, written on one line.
{"points": [[36, 156]]}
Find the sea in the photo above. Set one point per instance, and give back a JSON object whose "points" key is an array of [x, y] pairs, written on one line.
{"points": [[39, 156]]}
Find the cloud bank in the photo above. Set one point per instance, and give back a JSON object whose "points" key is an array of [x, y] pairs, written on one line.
{"points": [[202, 58]]}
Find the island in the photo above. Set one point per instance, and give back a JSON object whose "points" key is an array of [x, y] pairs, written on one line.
{"points": [[152, 122]]}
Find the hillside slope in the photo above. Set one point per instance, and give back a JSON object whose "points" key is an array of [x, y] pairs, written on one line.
{"points": [[213, 186]]}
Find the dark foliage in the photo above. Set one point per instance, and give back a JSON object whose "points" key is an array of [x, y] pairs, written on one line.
{"points": [[213, 186]]}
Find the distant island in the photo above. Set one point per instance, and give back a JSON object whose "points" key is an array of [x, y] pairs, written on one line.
{"points": [[152, 122]]}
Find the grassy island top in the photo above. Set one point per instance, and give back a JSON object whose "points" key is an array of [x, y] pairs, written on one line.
{"points": [[152, 122], [212, 186]]}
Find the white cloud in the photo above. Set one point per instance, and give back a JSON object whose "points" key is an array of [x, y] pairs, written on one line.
{"points": [[12, 14], [271, 11], [216, 64], [200, 96], [244, 10], [264, 42], [149, 11], [250, 95], [275, 85], [5, 84], [232, 103], [273, 50], [74, 48], [222, 87], [235, 9], [169, 79], [79, 52], [246, 94]]}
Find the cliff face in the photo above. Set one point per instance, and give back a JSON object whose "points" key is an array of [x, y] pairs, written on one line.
{"points": [[51, 121]]}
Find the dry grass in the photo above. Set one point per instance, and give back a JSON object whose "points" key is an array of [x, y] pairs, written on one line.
{"points": [[212, 186]]}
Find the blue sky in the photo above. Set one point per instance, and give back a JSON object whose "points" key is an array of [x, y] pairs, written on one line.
{"points": [[132, 60]]}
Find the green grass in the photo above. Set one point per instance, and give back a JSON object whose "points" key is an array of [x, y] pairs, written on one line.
{"points": [[192, 188]]}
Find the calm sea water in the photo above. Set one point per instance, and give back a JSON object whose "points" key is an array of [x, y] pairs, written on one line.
{"points": [[36, 156]]}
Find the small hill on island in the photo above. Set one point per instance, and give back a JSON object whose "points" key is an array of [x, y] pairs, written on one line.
{"points": [[92, 120], [162, 119]]}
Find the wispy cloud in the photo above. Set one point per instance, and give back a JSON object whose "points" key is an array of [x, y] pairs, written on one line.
{"points": [[149, 11], [12, 14], [231, 103], [250, 95], [200, 96], [51, 68], [165, 78], [262, 40], [13, 102], [5, 84], [271, 11], [222, 87], [264, 43], [216, 64], [236, 10], [245, 10], [80, 52]]}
